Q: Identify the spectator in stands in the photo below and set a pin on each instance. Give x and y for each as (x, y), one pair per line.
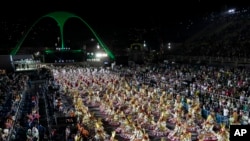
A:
(35, 133)
(225, 111)
(42, 132)
(29, 135)
(67, 133)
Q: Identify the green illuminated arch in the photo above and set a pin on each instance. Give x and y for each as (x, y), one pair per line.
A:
(61, 17)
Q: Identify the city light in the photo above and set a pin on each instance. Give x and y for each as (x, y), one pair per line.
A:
(231, 11)
(144, 44)
(101, 55)
(169, 45)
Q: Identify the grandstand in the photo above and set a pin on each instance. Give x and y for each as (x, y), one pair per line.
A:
(223, 35)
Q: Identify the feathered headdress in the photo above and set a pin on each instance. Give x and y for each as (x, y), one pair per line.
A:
(113, 134)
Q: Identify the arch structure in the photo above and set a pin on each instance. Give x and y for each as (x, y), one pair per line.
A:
(61, 17)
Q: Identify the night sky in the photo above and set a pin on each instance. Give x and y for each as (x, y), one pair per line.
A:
(120, 13)
(109, 17)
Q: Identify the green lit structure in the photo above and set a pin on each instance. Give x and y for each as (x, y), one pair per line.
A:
(61, 17)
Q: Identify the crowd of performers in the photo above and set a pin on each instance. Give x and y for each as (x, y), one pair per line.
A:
(140, 112)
